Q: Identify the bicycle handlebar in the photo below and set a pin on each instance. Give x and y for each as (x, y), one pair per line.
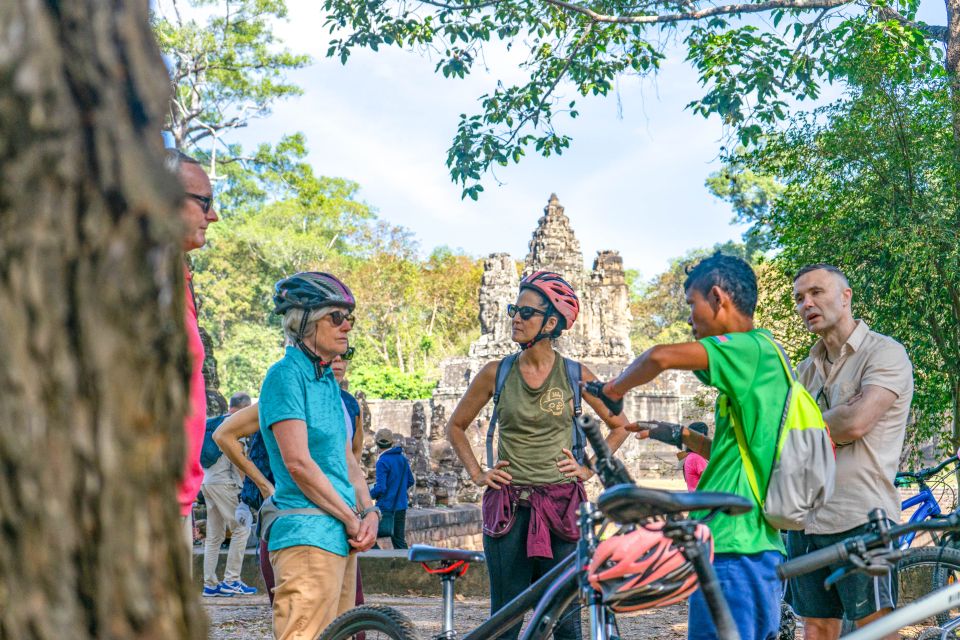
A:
(860, 545)
(812, 561)
(923, 474)
(610, 470)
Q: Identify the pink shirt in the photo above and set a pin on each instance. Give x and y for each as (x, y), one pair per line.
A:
(194, 424)
(693, 466)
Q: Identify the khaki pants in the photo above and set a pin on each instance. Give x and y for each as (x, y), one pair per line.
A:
(313, 587)
(186, 535)
(222, 503)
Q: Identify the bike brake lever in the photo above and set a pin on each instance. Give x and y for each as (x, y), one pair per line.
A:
(835, 577)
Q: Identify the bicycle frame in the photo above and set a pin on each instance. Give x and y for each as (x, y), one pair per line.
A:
(562, 592)
(936, 602)
(929, 508)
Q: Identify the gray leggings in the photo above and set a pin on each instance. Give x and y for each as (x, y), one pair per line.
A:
(511, 571)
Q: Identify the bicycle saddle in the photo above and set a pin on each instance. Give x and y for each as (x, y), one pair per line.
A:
(628, 503)
(426, 553)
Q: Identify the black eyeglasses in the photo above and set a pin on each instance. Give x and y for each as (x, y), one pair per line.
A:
(525, 312)
(348, 354)
(337, 318)
(205, 201)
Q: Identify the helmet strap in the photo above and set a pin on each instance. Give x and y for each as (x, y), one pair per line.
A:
(319, 364)
(540, 334)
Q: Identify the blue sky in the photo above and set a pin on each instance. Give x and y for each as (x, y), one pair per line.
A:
(633, 179)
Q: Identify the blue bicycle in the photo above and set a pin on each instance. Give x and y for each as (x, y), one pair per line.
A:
(926, 502)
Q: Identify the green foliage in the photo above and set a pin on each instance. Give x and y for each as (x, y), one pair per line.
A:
(389, 383)
(750, 195)
(278, 217)
(411, 313)
(244, 356)
(224, 70)
(871, 185)
(749, 71)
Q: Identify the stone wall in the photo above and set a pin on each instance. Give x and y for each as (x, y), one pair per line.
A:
(457, 527)
(396, 415)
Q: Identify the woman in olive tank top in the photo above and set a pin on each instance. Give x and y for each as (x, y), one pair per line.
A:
(536, 485)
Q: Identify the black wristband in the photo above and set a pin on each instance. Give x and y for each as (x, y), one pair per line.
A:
(595, 388)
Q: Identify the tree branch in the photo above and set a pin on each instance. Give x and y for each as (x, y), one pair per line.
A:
(933, 32)
(729, 9)
(460, 7)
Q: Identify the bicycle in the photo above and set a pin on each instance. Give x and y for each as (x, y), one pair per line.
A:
(622, 502)
(876, 553)
(923, 565)
(926, 502)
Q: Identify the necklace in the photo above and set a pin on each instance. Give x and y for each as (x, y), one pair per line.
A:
(827, 356)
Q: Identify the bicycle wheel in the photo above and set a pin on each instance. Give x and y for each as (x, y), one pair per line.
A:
(926, 569)
(374, 621)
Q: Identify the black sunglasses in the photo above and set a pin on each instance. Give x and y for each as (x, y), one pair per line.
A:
(525, 312)
(337, 318)
(348, 354)
(205, 201)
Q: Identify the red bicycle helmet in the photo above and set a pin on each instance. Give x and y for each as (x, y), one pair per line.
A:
(642, 569)
(557, 291)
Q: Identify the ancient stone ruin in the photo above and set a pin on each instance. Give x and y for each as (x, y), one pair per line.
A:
(600, 339)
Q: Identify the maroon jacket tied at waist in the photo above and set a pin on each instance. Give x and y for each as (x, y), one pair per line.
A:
(553, 509)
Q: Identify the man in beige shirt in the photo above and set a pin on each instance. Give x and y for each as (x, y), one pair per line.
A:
(863, 382)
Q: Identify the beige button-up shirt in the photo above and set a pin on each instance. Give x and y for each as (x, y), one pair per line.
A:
(866, 467)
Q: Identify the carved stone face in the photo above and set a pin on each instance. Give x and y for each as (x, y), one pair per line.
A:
(489, 310)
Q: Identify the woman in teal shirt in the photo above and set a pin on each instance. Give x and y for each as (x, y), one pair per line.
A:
(302, 424)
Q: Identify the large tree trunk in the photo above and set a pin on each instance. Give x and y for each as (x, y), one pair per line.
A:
(952, 63)
(92, 355)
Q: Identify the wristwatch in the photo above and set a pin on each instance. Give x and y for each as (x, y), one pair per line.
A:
(372, 509)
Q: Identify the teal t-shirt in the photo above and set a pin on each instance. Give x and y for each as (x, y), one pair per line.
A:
(291, 391)
(745, 368)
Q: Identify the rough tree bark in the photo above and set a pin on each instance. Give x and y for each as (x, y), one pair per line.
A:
(92, 354)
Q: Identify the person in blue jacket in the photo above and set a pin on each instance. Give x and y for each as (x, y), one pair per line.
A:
(394, 477)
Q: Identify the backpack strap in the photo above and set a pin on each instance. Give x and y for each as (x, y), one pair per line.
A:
(741, 436)
(744, 453)
(574, 376)
(792, 380)
(503, 370)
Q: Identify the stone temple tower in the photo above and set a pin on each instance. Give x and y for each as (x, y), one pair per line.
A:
(600, 338)
(603, 329)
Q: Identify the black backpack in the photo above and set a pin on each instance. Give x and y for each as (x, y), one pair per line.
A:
(572, 368)
(210, 452)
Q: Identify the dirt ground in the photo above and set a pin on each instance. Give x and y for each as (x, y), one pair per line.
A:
(248, 618)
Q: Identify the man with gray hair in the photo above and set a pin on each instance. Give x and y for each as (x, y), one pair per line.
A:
(863, 382)
(196, 214)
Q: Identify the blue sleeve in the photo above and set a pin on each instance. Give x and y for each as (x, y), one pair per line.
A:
(733, 361)
(410, 479)
(282, 397)
(381, 484)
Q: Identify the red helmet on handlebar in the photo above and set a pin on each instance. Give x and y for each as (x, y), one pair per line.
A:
(643, 569)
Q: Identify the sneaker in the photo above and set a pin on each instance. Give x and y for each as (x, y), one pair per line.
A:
(237, 588)
(217, 592)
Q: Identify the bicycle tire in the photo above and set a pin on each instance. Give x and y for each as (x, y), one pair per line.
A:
(926, 569)
(374, 621)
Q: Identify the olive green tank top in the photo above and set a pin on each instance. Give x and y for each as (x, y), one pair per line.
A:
(534, 425)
